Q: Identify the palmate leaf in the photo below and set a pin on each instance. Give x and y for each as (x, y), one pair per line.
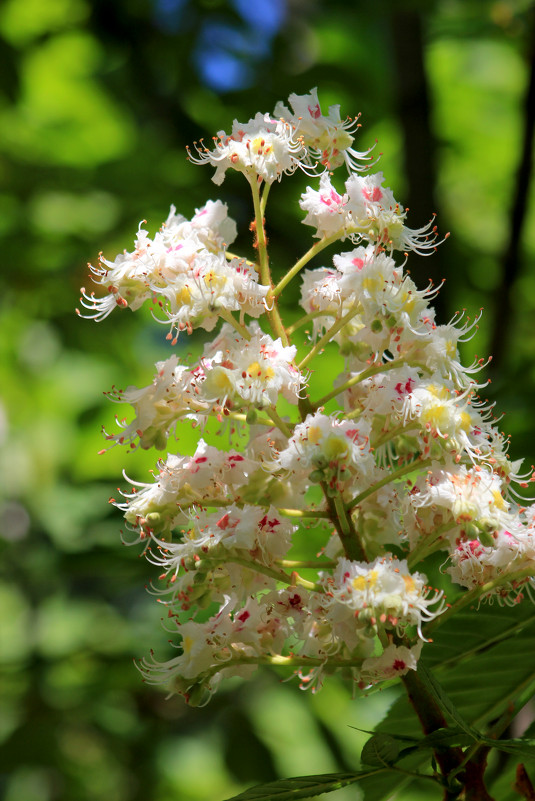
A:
(381, 750)
(301, 787)
(484, 662)
(480, 664)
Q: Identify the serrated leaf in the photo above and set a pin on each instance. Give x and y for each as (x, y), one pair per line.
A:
(446, 738)
(525, 749)
(444, 701)
(483, 660)
(380, 750)
(300, 787)
(401, 737)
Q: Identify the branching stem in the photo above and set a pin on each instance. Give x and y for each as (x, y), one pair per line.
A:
(327, 337)
(399, 473)
(316, 248)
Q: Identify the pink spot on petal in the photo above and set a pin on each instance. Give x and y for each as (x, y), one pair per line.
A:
(372, 195)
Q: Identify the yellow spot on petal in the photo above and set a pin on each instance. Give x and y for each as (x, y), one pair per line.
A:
(255, 370)
(466, 421)
(362, 582)
(436, 416)
(451, 349)
(314, 434)
(499, 501)
(185, 295)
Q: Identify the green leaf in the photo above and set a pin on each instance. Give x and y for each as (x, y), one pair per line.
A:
(446, 738)
(380, 750)
(482, 661)
(521, 747)
(300, 787)
(399, 737)
(444, 701)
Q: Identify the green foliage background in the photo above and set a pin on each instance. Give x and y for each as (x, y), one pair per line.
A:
(97, 102)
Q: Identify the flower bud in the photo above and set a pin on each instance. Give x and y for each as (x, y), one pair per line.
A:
(317, 476)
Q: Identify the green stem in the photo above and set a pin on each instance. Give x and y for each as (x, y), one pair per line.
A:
(242, 418)
(273, 315)
(428, 543)
(414, 775)
(399, 473)
(208, 503)
(313, 251)
(354, 414)
(283, 427)
(278, 660)
(345, 528)
(392, 434)
(371, 371)
(312, 513)
(327, 337)
(296, 563)
(306, 319)
(342, 515)
(229, 318)
(279, 575)
(264, 199)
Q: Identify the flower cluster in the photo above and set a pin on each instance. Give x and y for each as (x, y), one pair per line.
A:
(399, 458)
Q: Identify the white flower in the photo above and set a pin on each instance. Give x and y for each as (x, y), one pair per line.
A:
(173, 393)
(185, 264)
(446, 418)
(252, 371)
(378, 217)
(137, 276)
(217, 646)
(438, 350)
(215, 229)
(207, 475)
(474, 564)
(366, 210)
(395, 661)
(126, 280)
(262, 533)
(261, 148)
(195, 296)
(377, 282)
(321, 291)
(383, 591)
(468, 500)
(326, 209)
(324, 439)
(326, 136)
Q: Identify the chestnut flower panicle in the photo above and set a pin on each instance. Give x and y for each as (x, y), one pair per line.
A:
(397, 460)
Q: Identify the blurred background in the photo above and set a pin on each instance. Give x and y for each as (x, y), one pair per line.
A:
(98, 99)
